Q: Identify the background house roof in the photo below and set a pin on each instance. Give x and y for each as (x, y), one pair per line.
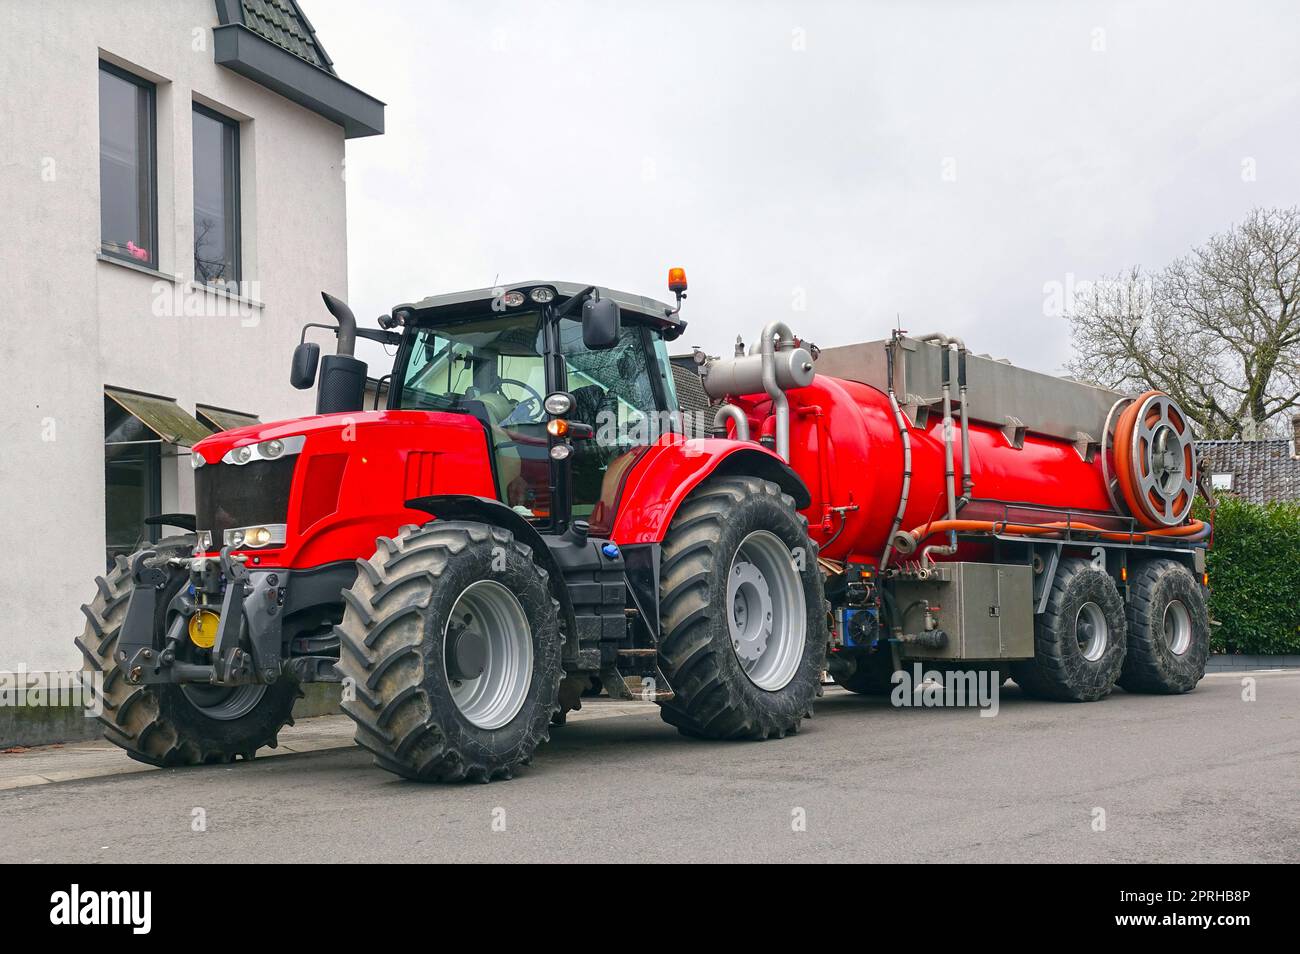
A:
(691, 396)
(1262, 471)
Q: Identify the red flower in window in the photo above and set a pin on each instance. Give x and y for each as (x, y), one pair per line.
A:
(137, 252)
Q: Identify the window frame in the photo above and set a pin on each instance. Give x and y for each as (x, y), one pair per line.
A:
(233, 200)
(151, 89)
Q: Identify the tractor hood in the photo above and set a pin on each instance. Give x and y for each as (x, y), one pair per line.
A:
(213, 448)
(335, 482)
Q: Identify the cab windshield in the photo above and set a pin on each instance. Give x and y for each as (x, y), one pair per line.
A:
(494, 368)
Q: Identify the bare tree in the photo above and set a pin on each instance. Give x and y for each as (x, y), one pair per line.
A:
(1218, 329)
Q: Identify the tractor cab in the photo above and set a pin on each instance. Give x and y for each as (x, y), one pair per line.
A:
(522, 358)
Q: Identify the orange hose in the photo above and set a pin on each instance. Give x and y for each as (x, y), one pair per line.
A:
(1124, 459)
(1037, 529)
(1126, 476)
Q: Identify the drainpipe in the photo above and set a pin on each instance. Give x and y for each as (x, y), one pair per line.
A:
(906, 438)
(967, 480)
(952, 347)
(780, 404)
(954, 343)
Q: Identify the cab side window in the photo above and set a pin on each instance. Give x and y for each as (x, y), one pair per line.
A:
(615, 396)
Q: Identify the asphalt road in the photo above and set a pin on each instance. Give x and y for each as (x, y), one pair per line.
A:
(1201, 777)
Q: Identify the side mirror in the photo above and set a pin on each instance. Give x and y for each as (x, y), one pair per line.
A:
(302, 373)
(600, 324)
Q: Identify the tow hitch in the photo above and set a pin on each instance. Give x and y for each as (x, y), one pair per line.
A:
(250, 604)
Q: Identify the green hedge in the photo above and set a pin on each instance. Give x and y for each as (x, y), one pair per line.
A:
(1255, 576)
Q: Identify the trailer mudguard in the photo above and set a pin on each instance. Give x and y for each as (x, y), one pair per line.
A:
(668, 472)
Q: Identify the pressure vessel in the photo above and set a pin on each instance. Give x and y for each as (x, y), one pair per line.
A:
(846, 445)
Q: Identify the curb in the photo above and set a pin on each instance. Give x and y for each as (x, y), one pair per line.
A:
(28, 726)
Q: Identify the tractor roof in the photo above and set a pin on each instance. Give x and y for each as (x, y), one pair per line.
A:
(657, 311)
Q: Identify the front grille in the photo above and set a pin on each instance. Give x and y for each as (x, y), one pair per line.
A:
(227, 495)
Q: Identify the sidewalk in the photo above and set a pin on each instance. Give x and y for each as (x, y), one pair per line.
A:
(77, 760)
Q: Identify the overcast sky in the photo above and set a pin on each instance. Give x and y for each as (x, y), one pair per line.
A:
(829, 164)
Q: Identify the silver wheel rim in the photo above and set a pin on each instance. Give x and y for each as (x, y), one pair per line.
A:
(487, 654)
(1092, 631)
(224, 704)
(1177, 624)
(766, 614)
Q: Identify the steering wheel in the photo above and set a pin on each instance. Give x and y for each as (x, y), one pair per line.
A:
(527, 411)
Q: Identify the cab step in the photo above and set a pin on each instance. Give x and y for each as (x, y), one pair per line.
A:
(637, 677)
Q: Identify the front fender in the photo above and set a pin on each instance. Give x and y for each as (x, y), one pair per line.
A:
(668, 472)
(492, 511)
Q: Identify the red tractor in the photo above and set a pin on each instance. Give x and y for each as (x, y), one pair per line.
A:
(524, 524)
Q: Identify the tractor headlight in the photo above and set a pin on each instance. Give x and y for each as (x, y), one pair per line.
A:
(559, 403)
(542, 295)
(512, 299)
(254, 537)
(267, 450)
(196, 459)
(561, 452)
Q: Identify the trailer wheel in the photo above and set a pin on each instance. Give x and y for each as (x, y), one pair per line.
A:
(1079, 641)
(744, 626)
(1168, 630)
(173, 725)
(450, 643)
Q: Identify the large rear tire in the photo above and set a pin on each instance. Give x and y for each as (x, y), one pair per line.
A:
(743, 620)
(172, 725)
(450, 642)
(1079, 641)
(1168, 630)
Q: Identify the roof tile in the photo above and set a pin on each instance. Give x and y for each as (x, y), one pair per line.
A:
(283, 23)
(1262, 471)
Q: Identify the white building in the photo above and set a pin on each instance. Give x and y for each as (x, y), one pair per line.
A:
(172, 201)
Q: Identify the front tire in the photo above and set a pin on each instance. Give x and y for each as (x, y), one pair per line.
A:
(451, 643)
(174, 725)
(1168, 630)
(744, 633)
(1079, 641)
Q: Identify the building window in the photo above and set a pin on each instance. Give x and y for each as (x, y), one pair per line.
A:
(132, 480)
(128, 183)
(140, 432)
(216, 198)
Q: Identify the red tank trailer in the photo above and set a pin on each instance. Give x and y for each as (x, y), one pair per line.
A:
(981, 505)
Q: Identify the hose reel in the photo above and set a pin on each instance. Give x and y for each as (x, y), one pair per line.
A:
(1154, 458)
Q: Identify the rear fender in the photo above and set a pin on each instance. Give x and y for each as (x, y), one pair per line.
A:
(670, 471)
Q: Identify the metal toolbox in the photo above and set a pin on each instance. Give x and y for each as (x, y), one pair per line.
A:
(986, 610)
